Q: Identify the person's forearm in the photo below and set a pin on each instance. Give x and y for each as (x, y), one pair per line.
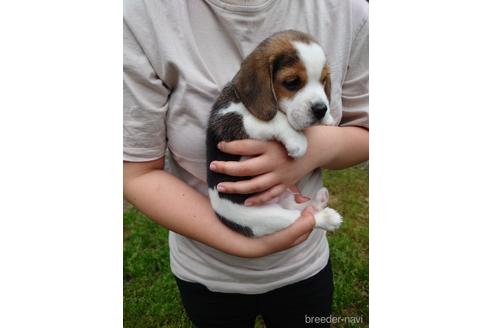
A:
(176, 206)
(334, 147)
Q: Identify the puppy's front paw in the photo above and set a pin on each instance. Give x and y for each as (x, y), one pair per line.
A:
(297, 147)
(328, 219)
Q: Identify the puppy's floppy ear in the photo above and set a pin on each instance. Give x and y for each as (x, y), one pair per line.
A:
(328, 85)
(254, 86)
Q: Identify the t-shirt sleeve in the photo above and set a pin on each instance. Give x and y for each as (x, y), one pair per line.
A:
(145, 103)
(355, 88)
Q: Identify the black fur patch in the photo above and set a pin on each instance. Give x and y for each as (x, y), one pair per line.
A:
(226, 127)
(236, 227)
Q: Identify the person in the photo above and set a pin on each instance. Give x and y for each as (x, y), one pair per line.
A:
(177, 57)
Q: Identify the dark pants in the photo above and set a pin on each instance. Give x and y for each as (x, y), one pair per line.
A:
(288, 306)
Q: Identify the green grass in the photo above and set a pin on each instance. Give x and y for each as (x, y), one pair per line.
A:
(151, 298)
(349, 246)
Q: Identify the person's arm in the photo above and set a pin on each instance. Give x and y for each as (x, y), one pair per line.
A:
(178, 207)
(337, 147)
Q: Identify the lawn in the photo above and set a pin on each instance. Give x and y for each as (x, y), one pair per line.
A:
(151, 298)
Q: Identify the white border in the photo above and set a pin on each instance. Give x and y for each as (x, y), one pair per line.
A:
(430, 166)
(61, 169)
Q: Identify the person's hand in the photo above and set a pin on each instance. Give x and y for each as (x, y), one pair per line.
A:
(273, 171)
(284, 239)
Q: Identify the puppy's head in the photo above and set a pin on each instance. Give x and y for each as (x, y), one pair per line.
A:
(286, 72)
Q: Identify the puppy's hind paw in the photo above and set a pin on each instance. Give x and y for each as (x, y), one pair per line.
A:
(328, 219)
(321, 199)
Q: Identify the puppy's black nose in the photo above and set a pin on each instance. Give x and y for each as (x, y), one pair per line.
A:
(319, 110)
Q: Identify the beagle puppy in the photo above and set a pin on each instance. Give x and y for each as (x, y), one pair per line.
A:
(282, 87)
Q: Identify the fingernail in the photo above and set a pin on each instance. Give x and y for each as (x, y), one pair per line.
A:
(220, 144)
(220, 188)
(213, 167)
(248, 203)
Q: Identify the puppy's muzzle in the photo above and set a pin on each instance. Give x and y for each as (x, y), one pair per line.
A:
(319, 110)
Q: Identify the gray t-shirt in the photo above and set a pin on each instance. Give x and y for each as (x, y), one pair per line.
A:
(177, 57)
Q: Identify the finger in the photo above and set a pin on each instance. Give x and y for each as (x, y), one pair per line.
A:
(309, 210)
(301, 226)
(299, 198)
(265, 196)
(294, 189)
(250, 167)
(296, 232)
(301, 239)
(246, 147)
(257, 184)
(306, 214)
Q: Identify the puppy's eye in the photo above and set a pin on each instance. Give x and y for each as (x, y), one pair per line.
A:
(292, 84)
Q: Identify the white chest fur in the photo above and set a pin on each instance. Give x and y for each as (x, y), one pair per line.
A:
(277, 128)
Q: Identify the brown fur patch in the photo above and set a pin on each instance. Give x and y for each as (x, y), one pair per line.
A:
(296, 36)
(326, 80)
(258, 83)
(296, 71)
(324, 74)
